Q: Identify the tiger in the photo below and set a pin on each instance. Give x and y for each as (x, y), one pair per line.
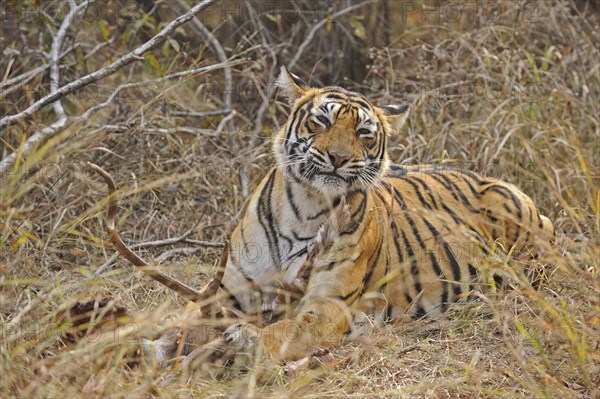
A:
(416, 239)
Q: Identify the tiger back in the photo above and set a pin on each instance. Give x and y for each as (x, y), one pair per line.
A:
(433, 231)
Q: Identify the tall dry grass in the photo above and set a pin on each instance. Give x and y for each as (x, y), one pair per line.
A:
(509, 89)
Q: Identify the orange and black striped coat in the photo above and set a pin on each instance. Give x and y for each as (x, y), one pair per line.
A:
(416, 236)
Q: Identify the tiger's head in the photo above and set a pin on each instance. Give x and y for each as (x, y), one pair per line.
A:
(334, 140)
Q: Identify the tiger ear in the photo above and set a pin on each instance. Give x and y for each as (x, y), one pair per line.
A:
(396, 115)
(291, 85)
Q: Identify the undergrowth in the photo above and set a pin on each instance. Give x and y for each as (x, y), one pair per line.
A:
(514, 95)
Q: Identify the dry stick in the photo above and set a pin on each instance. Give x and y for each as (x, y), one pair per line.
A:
(266, 103)
(135, 55)
(175, 75)
(74, 9)
(54, 82)
(316, 27)
(188, 292)
(217, 48)
(9, 86)
(213, 285)
(25, 75)
(200, 114)
(176, 251)
(183, 239)
(47, 132)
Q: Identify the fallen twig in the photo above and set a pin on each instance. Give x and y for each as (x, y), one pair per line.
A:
(177, 251)
(200, 114)
(208, 291)
(183, 239)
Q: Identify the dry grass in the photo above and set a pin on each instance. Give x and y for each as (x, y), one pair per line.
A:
(515, 96)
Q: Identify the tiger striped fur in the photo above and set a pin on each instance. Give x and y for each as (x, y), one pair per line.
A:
(413, 242)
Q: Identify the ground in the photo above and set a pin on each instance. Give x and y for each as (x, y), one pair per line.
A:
(513, 95)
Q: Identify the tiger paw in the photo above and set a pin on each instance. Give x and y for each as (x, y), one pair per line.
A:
(242, 337)
(319, 358)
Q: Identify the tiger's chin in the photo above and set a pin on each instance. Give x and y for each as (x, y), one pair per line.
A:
(329, 184)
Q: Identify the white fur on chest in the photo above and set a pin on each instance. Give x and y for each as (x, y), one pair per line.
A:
(277, 253)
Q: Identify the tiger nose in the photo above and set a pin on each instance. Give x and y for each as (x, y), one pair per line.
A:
(338, 159)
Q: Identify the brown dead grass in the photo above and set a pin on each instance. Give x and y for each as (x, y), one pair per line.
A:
(514, 97)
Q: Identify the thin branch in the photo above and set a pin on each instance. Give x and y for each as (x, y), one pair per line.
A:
(99, 47)
(200, 243)
(158, 130)
(47, 132)
(176, 251)
(310, 35)
(224, 121)
(135, 55)
(125, 86)
(266, 103)
(217, 48)
(180, 129)
(13, 84)
(25, 75)
(74, 9)
(159, 243)
(200, 114)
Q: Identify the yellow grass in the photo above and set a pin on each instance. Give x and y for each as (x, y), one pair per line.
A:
(515, 97)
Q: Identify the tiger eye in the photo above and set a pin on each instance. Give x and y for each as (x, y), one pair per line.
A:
(324, 120)
(368, 140)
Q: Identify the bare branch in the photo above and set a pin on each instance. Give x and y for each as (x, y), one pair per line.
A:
(26, 76)
(125, 86)
(184, 238)
(99, 47)
(224, 121)
(180, 129)
(266, 97)
(201, 243)
(217, 48)
(200, 114)
(74, 9)
(176, 285)
(13, 84)
(47, 132)
(316, 27)
(125, 60)
(176, 251)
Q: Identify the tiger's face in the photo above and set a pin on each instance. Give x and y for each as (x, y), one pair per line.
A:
(334, 140)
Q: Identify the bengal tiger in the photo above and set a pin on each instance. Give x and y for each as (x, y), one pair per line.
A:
(415, 240)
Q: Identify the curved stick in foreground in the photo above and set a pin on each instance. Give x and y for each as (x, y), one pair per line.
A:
(188, 292)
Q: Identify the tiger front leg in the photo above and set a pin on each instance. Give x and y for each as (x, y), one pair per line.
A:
(194, 330)
(321, 322)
